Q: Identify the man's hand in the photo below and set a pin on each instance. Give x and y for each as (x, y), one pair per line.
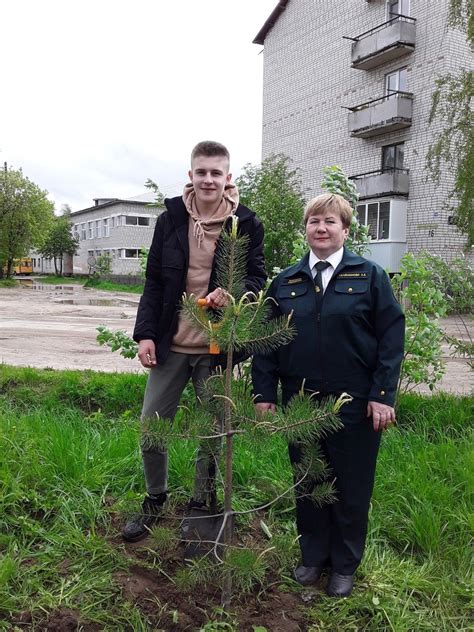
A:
(217, 298)
(146, 353)
(382, 415)
(265, 407)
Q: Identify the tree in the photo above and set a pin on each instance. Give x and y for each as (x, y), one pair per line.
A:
(103, 264)
(59, 241)
(454, 146)
(244, 324)
(159, 201)
(274, 191)
(25, 217)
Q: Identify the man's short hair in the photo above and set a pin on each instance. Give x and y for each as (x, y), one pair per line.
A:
(329, 202)
(209, 148)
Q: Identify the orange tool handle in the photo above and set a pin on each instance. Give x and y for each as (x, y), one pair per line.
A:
(213, 347)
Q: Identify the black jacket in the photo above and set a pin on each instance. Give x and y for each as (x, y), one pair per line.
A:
(354, 344)
(167, 267)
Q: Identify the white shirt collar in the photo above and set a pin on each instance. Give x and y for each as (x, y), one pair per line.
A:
(334, 259)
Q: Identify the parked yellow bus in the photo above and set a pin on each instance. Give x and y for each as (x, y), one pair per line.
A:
(23, 266)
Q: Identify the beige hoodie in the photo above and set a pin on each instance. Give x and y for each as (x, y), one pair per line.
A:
(202, 236)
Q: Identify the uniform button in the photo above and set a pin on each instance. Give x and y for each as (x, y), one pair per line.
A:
(382, 392)
(349, 289)
(317, 288)
(293, 294)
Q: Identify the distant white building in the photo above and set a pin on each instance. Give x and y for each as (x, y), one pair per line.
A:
(121, 228)
(350, 83)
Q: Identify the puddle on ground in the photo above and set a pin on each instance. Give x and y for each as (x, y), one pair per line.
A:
(101, 302)
(58, 290)
(31, 284)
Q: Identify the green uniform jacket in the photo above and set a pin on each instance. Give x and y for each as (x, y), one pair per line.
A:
(352, 343)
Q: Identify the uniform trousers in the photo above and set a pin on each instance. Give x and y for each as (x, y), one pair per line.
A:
(334, 534)
(165, 385)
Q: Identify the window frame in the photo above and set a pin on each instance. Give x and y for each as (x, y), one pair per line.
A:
(364, 220)
(391, 15)
(385, 169)
(397, 71)
(138, 218)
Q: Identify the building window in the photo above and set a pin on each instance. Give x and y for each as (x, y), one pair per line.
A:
(83, 232)
(98, 228)
(112, 221)
(375, 215)
(131, 220)
(106, 228)
(399, 7)
(75, 231)
(393, 156)
(131, 253)
(396, 81)
(90, 226)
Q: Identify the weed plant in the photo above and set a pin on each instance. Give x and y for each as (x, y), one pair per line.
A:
(70, 470)
(101, 284)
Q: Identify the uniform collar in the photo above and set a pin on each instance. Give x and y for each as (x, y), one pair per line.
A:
(334, 259)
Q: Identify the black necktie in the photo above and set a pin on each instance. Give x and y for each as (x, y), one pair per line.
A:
(318, 279)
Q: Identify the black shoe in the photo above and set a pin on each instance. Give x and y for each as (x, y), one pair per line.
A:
(196, 504)
(340, 585)
(140, 525)
(307, 575)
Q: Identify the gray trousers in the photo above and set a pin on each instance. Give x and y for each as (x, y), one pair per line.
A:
(166, 383)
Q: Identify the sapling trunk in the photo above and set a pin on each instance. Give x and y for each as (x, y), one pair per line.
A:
(229, 454)
(228, 526)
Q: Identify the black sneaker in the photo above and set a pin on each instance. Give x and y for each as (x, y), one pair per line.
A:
(196, 504)
(140, 525)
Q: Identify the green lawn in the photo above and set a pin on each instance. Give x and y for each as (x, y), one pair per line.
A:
(70, 472)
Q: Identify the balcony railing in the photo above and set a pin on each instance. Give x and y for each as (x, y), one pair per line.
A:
(379, 116)
(384, 42)
(382, 182)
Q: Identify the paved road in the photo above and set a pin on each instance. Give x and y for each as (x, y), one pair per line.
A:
(55, 326)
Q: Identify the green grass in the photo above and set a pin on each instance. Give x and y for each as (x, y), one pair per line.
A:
(61, 280)
(8, 283)
(114, 287)
(70, 470)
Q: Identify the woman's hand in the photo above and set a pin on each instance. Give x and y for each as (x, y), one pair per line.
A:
(265, 407)
(382, 415)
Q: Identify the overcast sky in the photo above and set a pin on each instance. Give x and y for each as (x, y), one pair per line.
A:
(96, 96)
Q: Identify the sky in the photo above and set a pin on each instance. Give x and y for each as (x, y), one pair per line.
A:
(96, 96)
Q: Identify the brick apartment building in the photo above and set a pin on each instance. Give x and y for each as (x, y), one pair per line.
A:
(350, 83)
(119, 227)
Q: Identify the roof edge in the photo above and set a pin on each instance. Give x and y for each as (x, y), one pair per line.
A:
(112, 203)
(270, 22)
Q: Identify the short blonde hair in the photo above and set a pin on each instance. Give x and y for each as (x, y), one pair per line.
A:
(329, 202)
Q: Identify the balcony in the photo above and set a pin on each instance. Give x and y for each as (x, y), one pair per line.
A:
(386, 114)
(382, 182)
(384, 43)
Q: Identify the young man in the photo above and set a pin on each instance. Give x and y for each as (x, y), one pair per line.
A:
(181, 259)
